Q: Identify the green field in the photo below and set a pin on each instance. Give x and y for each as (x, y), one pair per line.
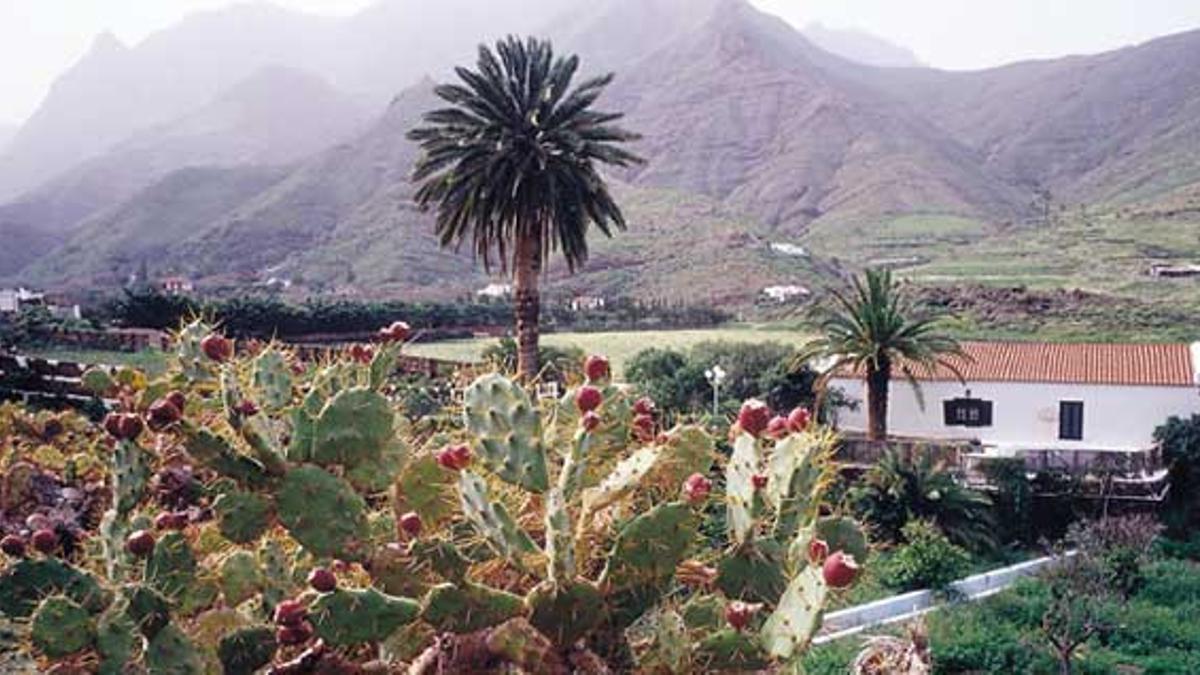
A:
(152, 362)
(619, 346)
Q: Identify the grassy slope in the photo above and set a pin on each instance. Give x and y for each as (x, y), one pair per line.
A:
(618, 346)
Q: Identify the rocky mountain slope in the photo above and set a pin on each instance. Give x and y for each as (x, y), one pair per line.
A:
(754, 136)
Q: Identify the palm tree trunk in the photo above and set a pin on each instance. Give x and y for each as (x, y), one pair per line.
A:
(528, 303)
(878, 380)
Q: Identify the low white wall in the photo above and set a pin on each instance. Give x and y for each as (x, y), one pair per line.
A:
(1026, 414)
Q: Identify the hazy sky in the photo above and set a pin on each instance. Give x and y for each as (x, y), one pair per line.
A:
(41, 38)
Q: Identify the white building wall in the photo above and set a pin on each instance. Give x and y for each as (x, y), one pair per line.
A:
(1025, 414)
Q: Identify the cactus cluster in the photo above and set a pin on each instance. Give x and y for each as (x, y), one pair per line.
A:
(267, 516)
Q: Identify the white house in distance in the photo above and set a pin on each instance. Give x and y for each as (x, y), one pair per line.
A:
(1028, 397)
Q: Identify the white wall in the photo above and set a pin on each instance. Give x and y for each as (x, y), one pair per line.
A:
(1025, 414)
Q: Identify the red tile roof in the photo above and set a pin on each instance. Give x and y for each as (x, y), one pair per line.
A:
(1123, 364)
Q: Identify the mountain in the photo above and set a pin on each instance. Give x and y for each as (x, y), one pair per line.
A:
(861, 47)
(1113, 127)
(276, 116)
(743, 109)
(116, 90)
(7, 131)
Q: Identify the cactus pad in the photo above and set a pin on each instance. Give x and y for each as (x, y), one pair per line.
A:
(323, 513)
(660, 642)
(240, 577)
(149, 611)
(729, 650)
(273, 379)
(242, 517)
(349, 617)
(426, 489)
(509, 429)
(61, 627)
(116, 640)
(354, 427)
(565, 612)
(797, 617)
(753, 573)
(130, 472)
(492, 520)
(843, 534)
(649, 547)
(245, 650)
(217, 454)
(171, 568)
(739, 487)
(172, 653)
(468, 608)
(25, 583)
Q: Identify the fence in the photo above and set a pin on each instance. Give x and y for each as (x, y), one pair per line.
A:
(853, 620)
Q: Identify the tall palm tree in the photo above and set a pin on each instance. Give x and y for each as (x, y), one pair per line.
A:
(511, 164)
(874, 329)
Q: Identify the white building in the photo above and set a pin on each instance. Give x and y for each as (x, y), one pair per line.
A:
(782, 294)
(1035, 397)
(495, 291)
(13, 300)
(584, 303)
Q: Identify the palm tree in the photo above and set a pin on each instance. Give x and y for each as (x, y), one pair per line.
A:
(908, 484)
(874, 330)
(511, 164)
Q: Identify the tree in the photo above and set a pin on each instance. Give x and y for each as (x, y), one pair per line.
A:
(511, 165)
(873, 329)
(906, 485)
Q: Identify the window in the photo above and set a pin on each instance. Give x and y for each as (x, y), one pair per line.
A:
(967, 412)
(1070, 420)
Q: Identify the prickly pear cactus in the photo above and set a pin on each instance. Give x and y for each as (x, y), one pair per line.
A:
(246, 650)
(242, 517)
(61, 627)
(492, 519)
(508, 430)
(355, 427)
(273, 379)
(468, 607)
(323, 513)
(792, 625)
(351, 617)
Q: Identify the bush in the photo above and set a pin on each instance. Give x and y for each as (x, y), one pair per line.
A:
(926, 560)
(1180, 441)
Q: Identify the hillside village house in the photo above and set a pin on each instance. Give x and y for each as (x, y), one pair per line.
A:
(1056, 405)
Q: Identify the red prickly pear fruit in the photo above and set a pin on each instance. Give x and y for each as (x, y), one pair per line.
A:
(662, 438)
(595, 368)
(411, 523)
(170, 521)
(799, 419)
(163, 414)
(140, 543)
(131, 427)
(588, 398)
(322, 580)
(738, 614)
(455, 457)
(777, 427)
(754, 417)
(589, 421)
(39, 521)
(44, 541)
(397, 332)
(177, 399)
(246, 408)
(759, 480)
(294, 635)
(216, 347)
(643, 428)
(290, 613)
(112, 424)
(696, 488)
(13, 546)
(818, 550)
(840, 570)
(362, 354)
(644, 406)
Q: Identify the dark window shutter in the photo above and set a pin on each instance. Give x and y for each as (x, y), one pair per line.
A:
(1070, 420)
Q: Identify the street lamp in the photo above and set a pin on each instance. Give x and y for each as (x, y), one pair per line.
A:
(715, 376)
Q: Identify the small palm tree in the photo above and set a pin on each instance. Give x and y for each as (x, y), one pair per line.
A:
(511, 165)
(875, 330)
(910, 485)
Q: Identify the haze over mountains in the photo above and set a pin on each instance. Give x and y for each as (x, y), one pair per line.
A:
(254, 142)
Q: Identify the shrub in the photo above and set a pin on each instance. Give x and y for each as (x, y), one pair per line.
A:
(927, 559)
(1180, 441)
(904, 486)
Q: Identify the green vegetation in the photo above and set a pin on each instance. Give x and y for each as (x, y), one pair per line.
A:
(512, 166)
(619, 346)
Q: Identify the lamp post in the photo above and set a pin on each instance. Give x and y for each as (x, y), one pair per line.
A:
(715, 376)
